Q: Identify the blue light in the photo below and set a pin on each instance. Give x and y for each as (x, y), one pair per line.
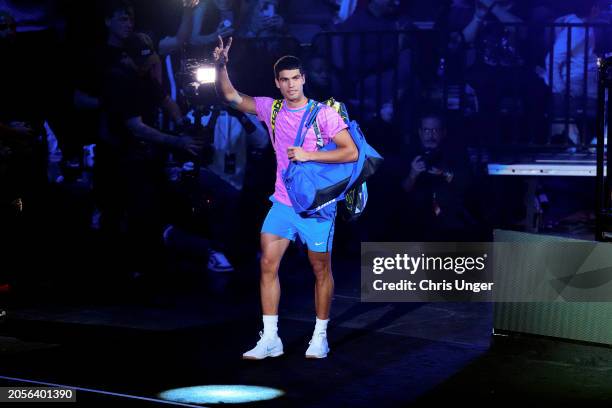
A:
(217, 394)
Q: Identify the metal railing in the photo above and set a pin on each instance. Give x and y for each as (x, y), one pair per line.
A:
(369, 65)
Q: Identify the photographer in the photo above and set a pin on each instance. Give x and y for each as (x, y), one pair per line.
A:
(437, 187)
(132, 175)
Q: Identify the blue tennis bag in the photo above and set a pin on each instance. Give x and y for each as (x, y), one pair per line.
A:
(311, 185)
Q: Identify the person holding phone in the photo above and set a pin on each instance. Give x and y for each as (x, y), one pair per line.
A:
(214, 19)
(263, 20)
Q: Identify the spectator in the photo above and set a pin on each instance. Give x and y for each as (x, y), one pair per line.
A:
(170, 38)
(306, 19)
(92, 68)
(262, 22)
(437, 188)
(119, 21)
(262, 18)
(213, 19)
(322, 82)
(366, 61)
(578, 59)
(89, 84)
(489, 45)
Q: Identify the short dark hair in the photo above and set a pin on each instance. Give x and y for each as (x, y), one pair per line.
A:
(287, 62)
(113, 6)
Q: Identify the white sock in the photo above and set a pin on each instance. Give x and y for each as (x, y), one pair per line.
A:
(321, 326)
(270, 325)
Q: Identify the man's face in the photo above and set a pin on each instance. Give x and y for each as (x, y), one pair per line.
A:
(8, 29)
(121, 24)
(319, 73)
(431, 133)
(290, 82)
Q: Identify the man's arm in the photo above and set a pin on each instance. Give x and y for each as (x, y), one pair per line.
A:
(344, 153)
(148, 134)
(170, 44)
(172, 109)
(230, 95)
(199, 39)
(226, 90)
(502, 12)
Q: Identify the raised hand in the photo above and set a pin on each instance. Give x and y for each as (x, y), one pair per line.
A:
(221, 52)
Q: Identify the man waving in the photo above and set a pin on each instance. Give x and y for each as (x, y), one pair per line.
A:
(282, 224)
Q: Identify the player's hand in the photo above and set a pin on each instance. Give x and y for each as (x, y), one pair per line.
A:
(221, 52)
(297, 154)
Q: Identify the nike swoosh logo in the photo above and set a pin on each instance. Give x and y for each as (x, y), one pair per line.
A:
(319, 243)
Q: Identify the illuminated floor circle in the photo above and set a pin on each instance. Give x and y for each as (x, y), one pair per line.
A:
(216, 394)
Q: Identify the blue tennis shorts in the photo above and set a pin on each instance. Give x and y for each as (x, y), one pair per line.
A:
(316, 232)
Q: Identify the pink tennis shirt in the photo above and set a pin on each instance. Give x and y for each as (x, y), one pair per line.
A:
(287, 122)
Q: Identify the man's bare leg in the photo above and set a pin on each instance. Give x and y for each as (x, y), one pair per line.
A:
(324, 285)
(324, 290)
(273, 248)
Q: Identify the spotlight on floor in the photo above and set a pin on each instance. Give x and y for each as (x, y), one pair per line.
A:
(220, 394)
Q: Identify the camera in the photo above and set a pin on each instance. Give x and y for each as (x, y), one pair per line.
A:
(431, 158)
(433, 165)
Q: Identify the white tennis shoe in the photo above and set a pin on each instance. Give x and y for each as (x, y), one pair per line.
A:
(266, 347)
(318, 347)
